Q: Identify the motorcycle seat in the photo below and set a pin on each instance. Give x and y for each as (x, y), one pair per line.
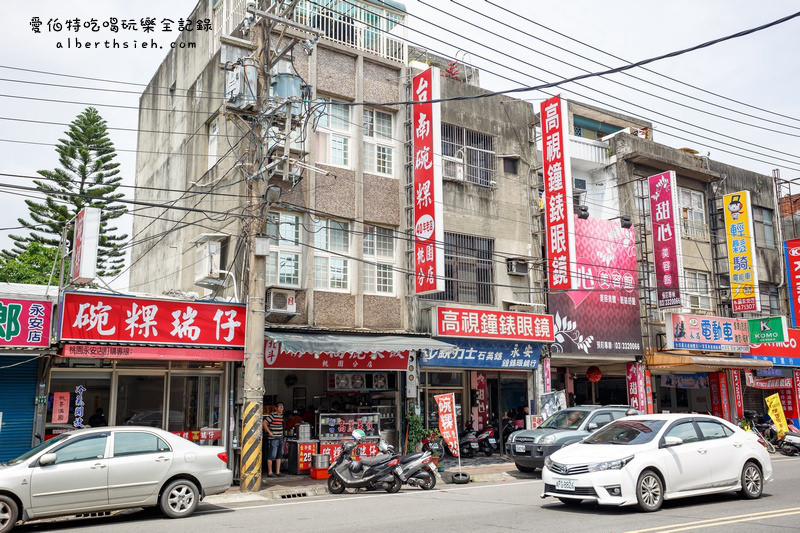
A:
(792, 434)
(372, 461)
(410, 458)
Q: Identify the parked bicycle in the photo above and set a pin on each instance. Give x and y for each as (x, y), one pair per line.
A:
(749, 423)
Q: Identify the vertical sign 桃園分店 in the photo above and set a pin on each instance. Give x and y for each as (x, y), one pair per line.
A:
(428, 230)
(666, 238)
(559, 225)
(741, 257)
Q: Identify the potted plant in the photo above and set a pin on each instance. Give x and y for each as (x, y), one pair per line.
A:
(415, 431)
(433, 436)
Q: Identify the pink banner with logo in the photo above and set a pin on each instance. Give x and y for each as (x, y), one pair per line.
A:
(664, 220)
(791, 254)
(24, 323)
(428, 197)
(559, 227)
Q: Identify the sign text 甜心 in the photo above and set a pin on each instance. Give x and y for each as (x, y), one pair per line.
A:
(666, 238)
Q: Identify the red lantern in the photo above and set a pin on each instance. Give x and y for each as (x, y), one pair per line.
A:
(594, 374)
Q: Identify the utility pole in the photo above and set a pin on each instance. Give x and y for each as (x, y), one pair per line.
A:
(255, 289)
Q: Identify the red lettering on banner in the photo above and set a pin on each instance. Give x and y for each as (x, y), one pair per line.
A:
(559, 225)
(427, 192)
(448, 423)
(493, 324)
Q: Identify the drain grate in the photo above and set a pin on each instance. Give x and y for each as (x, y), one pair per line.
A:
(293, 495)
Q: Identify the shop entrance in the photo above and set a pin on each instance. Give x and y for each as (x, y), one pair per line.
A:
(510, 395)
(607, 391)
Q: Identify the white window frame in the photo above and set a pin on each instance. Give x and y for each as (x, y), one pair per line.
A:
(759, 227)
(333, 129)
(378, 261)
(374, 141)
(284, 247)
(691, 290)
(694, 223)
(332, 257)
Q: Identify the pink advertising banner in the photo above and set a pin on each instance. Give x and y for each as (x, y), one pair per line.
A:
(428, 211)
(706, 333)
(602, 314)
(666, 238)
(634, 379)
(25, 323)
(791, 253)
(559, 228)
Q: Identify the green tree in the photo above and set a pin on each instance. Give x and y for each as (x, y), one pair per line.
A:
(87, 169)
(32, 265)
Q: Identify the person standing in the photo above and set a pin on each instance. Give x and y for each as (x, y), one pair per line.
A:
(273, 428)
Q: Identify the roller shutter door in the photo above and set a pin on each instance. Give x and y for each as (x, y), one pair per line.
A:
(17, 395)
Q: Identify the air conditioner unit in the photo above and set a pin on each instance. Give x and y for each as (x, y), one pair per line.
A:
(520, 308)
(281, 301)
(452, 168)
(517, 267)
(207, 269)
(578, 185)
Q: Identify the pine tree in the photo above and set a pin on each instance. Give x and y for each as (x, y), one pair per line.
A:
(88, 169)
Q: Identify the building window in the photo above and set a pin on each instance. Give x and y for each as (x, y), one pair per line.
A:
(763, 226)
(331, 241)
(333, 134)
(511, 165)
(283, 261)
(468, 269)
(697, 290)
(770, 300)
(468, 155)
(693, 214)
(378, 150)
(213, 137)
(379, 260)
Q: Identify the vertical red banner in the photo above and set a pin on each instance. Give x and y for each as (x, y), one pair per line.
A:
(648, 384)
(791, 254)
(60, 408)
(448, 424)
(559, 224)
(738, 393)
(634, 379)
(664, 218)
(724, 397)
(427, 196)
(713, 386)
(548, 383)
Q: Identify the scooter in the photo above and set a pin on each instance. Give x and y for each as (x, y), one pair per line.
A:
(487, 441)
(468, 443)
(418, 470)
(379, 472)
(790, 444)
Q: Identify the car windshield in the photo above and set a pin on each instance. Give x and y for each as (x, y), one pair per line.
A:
(567, 419)
(33, 451)
(626, 432)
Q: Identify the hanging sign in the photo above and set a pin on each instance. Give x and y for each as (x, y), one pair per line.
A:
(559, 225)
(769, 329)
(85, 241)
(428, 197)
(741, 252)
(664, 217)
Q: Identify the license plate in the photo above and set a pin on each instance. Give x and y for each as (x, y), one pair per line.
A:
(398, 470)
(519, 448)
(473, 445)
(565, 484)
(492, 441)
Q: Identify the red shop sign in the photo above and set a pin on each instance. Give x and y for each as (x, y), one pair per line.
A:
(150, 353)
(276, 357)
(195, 435)
(493, 324)
(125, 319)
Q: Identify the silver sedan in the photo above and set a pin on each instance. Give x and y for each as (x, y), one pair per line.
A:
(110, 468)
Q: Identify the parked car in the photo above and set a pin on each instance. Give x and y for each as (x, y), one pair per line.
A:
(647, 459)
(101, 469)
(529, 447)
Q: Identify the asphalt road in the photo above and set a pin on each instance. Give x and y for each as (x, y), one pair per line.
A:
(513, 505)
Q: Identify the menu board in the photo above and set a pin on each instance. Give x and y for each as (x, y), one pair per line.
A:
(341, 425)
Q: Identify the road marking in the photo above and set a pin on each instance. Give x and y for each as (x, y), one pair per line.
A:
(722, 520)
(366, 496)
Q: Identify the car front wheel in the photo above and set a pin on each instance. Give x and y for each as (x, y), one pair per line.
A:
(9, 513)
(649, 491)
(179, 499)
(752, 481)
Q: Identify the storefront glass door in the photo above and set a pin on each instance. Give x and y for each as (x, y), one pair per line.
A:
(140, 400)
(194, 402)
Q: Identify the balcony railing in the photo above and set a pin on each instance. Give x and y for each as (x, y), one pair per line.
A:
(692, 229)
(584, 149)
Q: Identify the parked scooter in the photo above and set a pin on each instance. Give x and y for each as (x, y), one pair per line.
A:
(487, 442)
(790, 444)
(468, 443)
(418, 470)
(379, 472)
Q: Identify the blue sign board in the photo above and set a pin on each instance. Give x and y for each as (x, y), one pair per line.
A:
(473, 353)
(776, 361)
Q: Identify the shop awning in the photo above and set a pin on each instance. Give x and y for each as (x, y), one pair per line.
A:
(328, 343)
(700, 363)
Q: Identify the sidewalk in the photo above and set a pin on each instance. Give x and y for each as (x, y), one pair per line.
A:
(289, 486)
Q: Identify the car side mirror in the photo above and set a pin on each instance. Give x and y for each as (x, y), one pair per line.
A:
(47, 459)
(670, 441)
(592, 426)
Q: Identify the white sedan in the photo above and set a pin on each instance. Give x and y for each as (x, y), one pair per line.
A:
(108, 468)
(647, 459)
